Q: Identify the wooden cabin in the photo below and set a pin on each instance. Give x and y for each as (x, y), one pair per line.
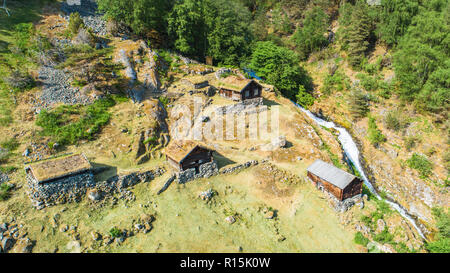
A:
(183, 155)
(334, 180)
(57, 169)
(239, 89)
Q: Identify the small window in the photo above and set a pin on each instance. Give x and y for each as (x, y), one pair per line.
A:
(247, 94)
(256, 92)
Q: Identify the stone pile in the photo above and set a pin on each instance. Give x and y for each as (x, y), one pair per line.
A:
(3, 178)
(13, 238)
(88, 12)
(56, 88)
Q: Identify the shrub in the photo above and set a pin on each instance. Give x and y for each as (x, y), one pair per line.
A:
(393, 121)
(442, 243)
(4, 191)
(360, 239)
(410, 142)
(421, 164)
(115, 232)
(10, 145)
(75, 23)
(20, 80)
(334, 82)
(304, 98)
(368, 82)
(358, 104)
(384, 236)
(374, 134)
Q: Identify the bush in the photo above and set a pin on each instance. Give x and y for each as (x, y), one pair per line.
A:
(304, 98)
(10, 145)
(393, 121)
(374, 134)
(360, 239)
(115, 232)
(421, 164)
(20, 80)
(334, 82)
(358, 104)
(369, 83)
(75, 23)
(442, 243)
(384, 236)
(4, 191)
(410, 142)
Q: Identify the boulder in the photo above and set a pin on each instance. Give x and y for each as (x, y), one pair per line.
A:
(230, 220)
(7, 243)
(94, 195)
(23, 245)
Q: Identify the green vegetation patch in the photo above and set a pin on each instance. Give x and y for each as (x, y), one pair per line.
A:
(421, 164)
(442, 242)
(68, 124)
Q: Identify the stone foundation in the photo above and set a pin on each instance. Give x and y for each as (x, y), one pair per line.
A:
(73, 188)
(69, 189)
(248, 106)
(205, 170)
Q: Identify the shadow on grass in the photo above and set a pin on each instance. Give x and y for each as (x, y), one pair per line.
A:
(222, 161)
(102, 171)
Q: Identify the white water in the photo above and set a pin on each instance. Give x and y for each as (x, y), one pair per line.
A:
(352, 152)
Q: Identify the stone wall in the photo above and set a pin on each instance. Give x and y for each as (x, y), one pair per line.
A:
(248, 106)
(73, 188)
(205, 170)
(239, 167)
(69, 189)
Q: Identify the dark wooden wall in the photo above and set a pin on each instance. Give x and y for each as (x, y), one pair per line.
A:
(198, 154)
(251, 90)
(354, 188)
(337, 192)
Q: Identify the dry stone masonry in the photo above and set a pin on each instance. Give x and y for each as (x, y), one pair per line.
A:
(73, 188)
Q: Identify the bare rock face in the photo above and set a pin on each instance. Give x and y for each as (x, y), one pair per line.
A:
(84, 37)
(152, 133)
(276, 143)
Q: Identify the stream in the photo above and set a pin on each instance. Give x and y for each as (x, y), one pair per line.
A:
(352, 152)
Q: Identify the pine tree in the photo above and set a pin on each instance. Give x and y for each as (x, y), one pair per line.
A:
(359, 31)
(358, 104)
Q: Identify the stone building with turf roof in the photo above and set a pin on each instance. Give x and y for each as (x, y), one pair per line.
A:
(59, 180)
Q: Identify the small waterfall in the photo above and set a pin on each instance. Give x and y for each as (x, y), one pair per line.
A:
(352, 152)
